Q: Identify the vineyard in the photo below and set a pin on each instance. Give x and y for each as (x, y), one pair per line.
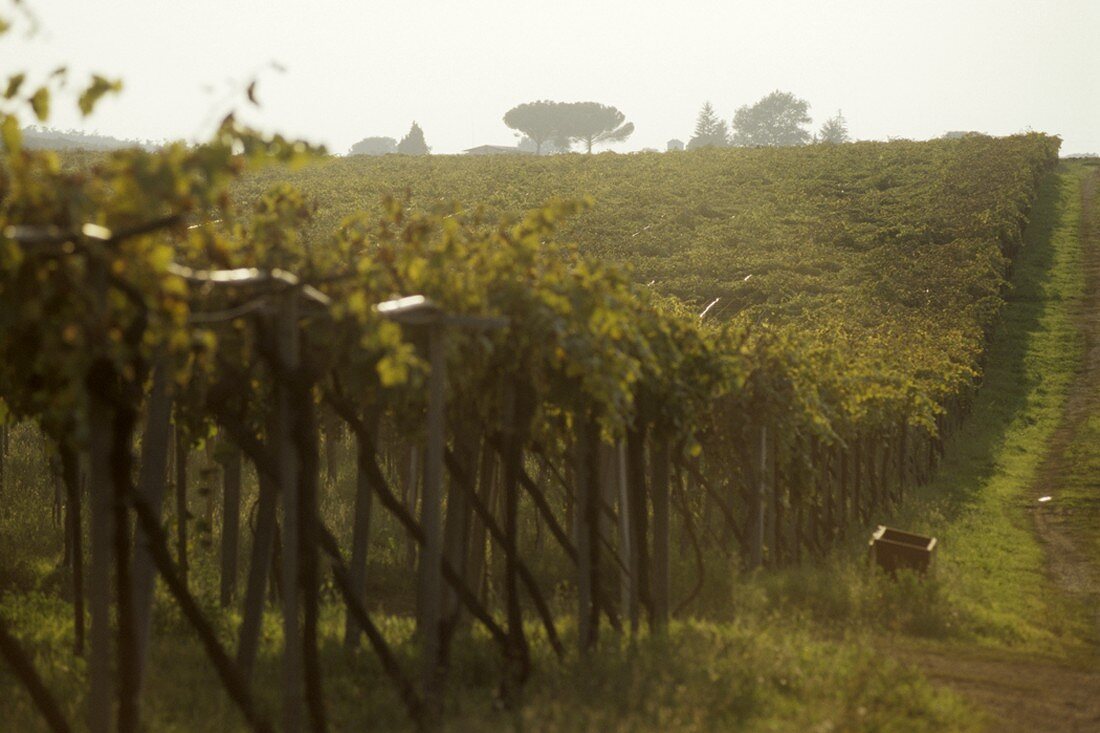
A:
(511, 408)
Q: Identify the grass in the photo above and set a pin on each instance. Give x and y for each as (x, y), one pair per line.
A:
(1078, 490)
(754, 674)
(790, 650)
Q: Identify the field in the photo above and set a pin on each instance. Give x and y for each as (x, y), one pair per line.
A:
(645, 519)
(869, 245)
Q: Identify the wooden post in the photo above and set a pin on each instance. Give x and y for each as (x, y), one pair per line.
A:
(570, 498)
(874, 480)
(639, 520)
(3, 453)
(822, 519)
(518, 409)
(487, 480)
(360, 529)
(887, 459)
(207, 480)
(100, 669)
(70, 471)
(628, 575)
(306, 440)
(846, 511)
(430, 573)
(456, 533)
(293, 669)
(775, 506)
(263, 549)
(857, 480)
(156, 444)
(58, 504)
(412, 490)
(759, 502)
(231, 525)
(587, 519)
(903, 460)
(181, 502)
(101, 493)
(540, 544)
(124, 419)
(796, 490)
(833, 487)
(331, 430)
(930, 468)
(659, 485)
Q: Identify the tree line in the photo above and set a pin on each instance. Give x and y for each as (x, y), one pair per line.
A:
(777, 119)
(545, 126)
(412, 144)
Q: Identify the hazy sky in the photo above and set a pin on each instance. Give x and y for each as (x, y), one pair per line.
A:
(897, 68)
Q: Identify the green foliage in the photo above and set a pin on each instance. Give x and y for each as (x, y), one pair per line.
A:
(710, 130)
(562, 123)
(850, 298)
(541, 122)
(592, 123)
(856, 310)
(527, 145)
(834, 130)
(40, 103)
(96, 91)
(854, 300)
(778, 119)
(374, 146)
(108, 302)
(413, 143)
(991, 584)
(15, 81)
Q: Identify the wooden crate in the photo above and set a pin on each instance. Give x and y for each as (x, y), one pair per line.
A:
(893, 550)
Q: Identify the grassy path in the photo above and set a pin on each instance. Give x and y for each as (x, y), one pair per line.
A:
(1069, 521)
(1024, 483)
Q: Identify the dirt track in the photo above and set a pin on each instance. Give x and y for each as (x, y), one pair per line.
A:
(1020, 693)
(1072, 563)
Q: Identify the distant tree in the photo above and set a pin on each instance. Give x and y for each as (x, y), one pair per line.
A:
(710, 130)
(374, 146)
(592, 123)
(540, 122)
(548, 147)
(560, 124)
(413, 143)
(674, 144)
(834, 130)
(780, 118)
(561, 142)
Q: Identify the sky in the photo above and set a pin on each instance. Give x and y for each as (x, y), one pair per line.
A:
(895, 68)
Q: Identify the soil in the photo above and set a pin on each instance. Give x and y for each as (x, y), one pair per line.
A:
(1019, 693)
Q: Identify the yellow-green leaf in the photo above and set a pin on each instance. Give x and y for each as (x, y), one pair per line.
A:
(95, 91)
(14, 82)
(40, 103)
(11, 134)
